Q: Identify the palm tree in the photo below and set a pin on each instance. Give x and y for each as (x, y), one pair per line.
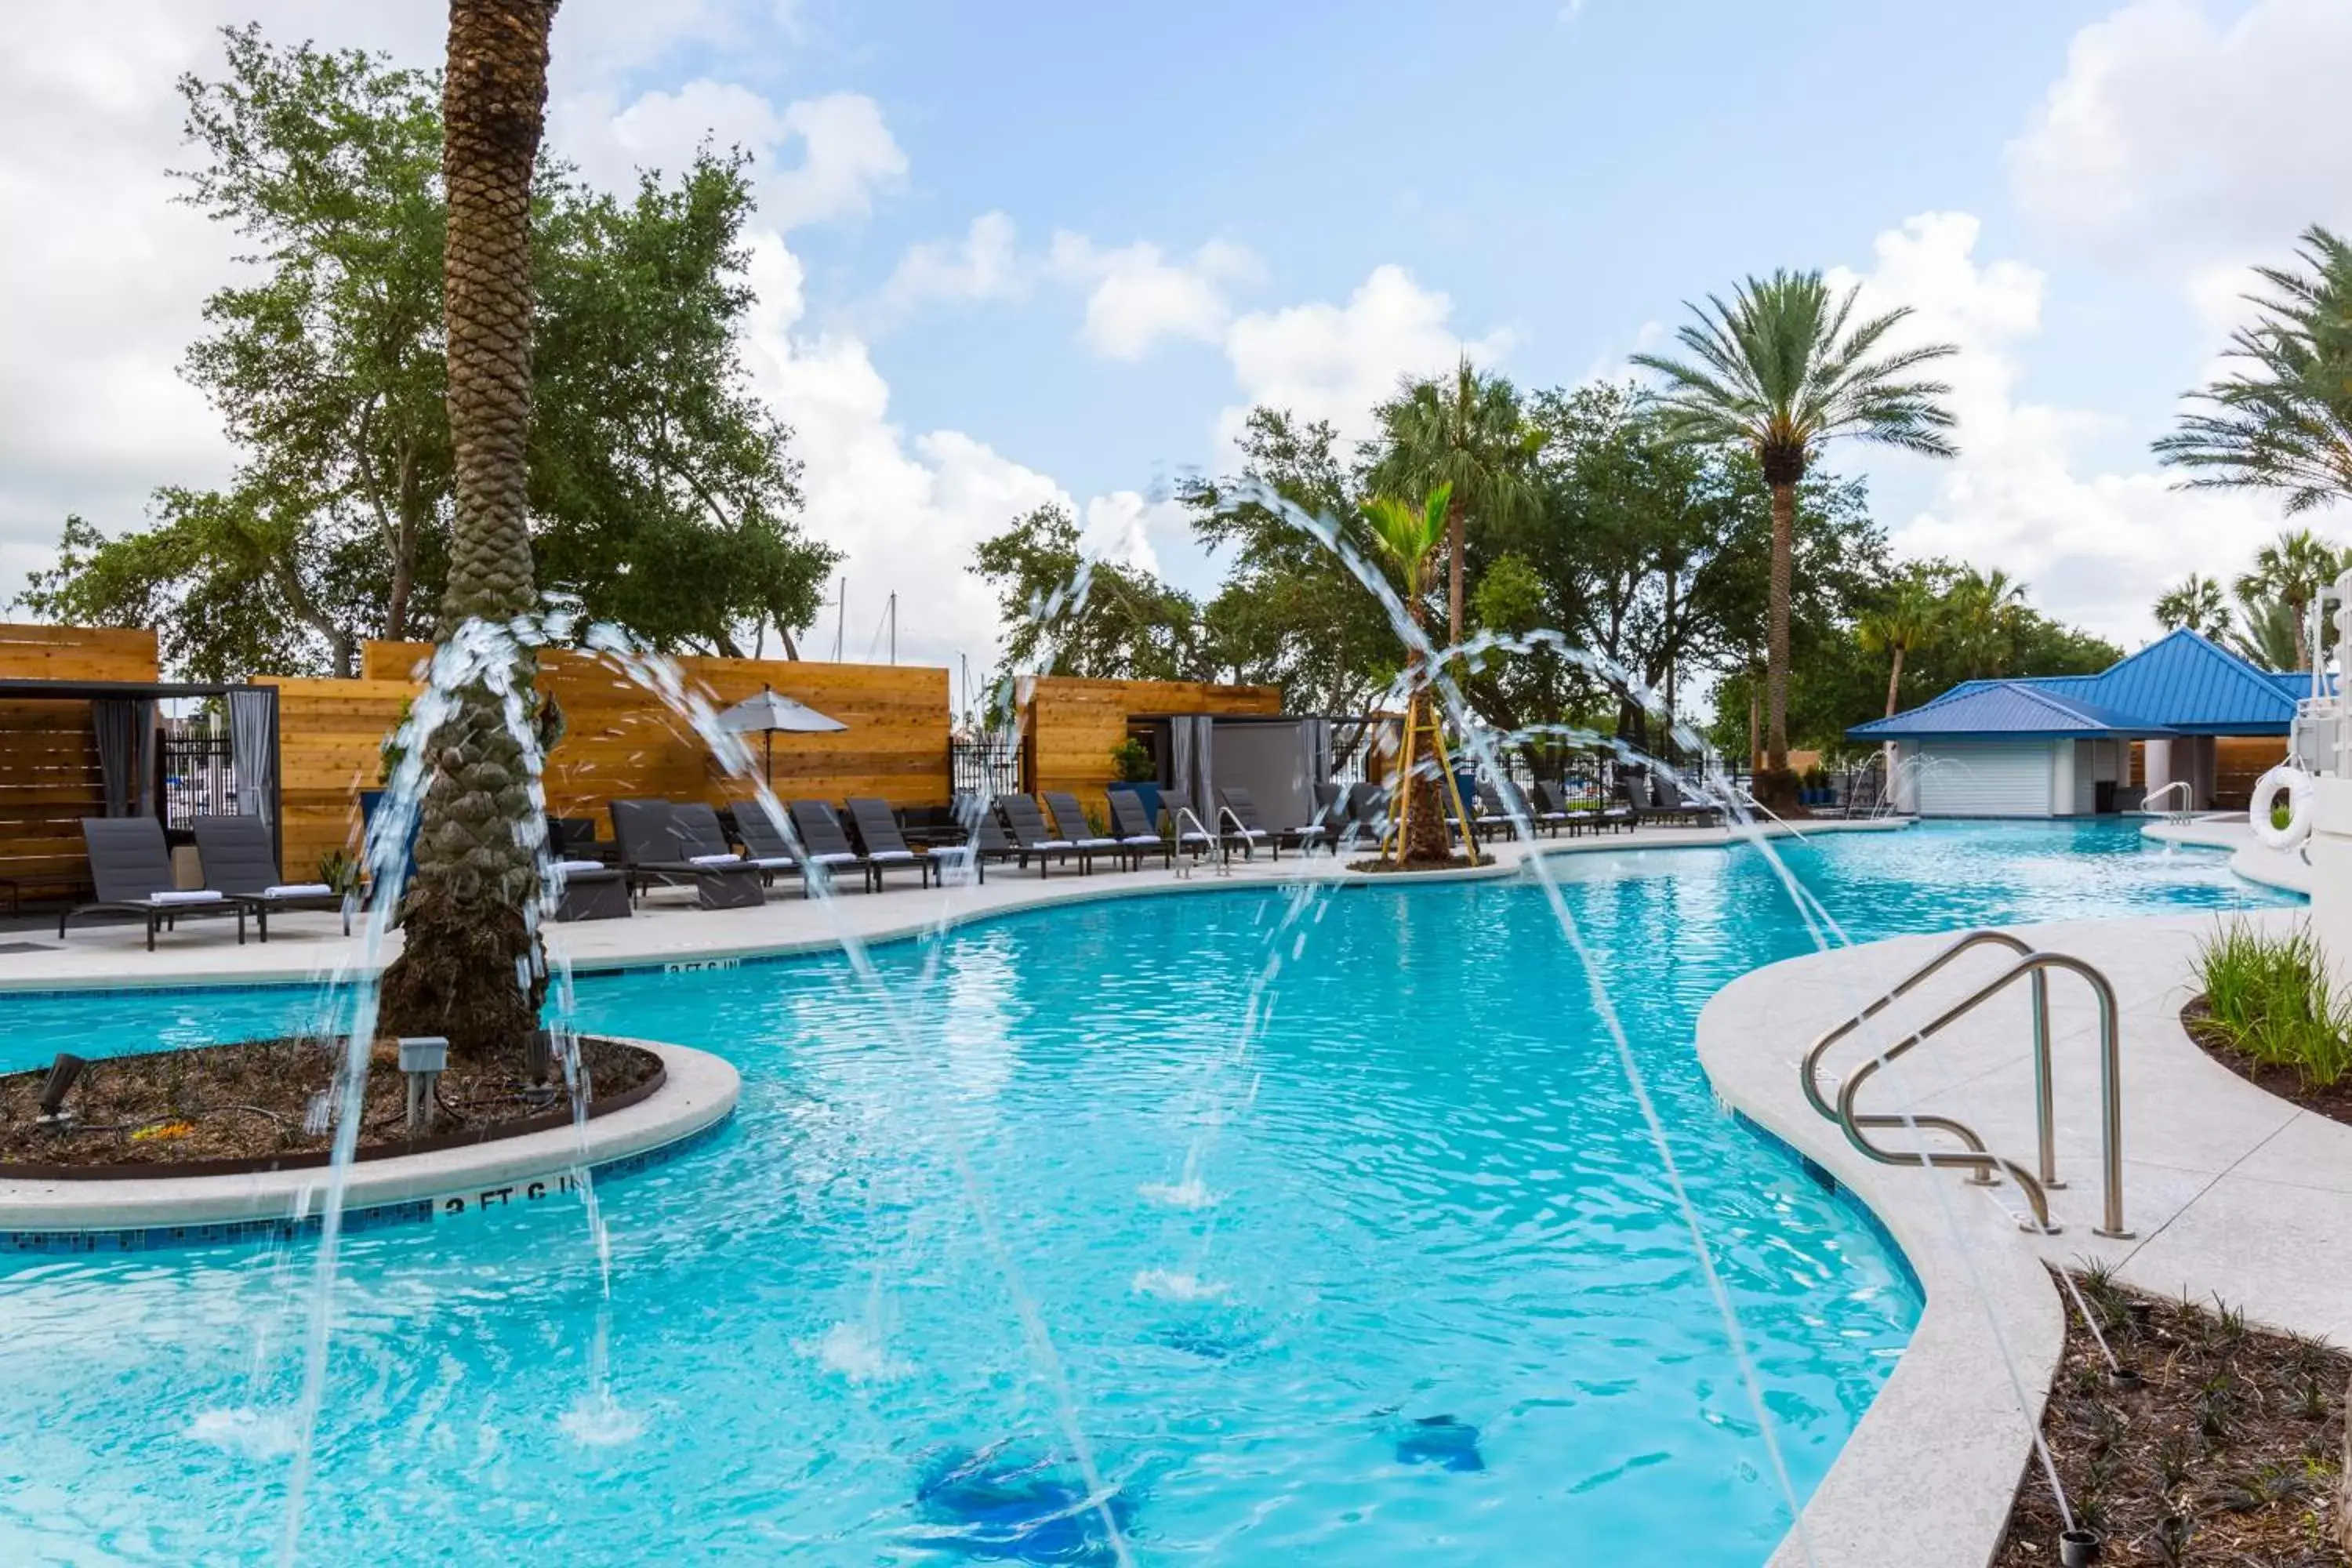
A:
(1409, 536)
(2195, 603)
(1910, 619)
(1982, 611)
(470, 967)
(1781, 369)
(2271, 634)
(2293, 570)
(2284, 420)
(1467, 436)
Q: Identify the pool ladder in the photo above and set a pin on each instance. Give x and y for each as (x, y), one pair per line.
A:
(1986, 1167)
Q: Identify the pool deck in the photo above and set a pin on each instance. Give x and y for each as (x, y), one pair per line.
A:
(668, 928)
(2255, 861)
(2230, 1190)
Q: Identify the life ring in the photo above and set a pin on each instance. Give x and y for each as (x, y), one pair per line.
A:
(2295, 784)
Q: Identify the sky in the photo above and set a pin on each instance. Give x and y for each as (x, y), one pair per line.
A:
(1012, 255)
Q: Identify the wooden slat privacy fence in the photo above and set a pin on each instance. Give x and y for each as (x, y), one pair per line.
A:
(1070, 723)
(620, 742)
(50, 778)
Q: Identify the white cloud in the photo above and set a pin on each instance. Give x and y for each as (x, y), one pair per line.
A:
(1122, 526)
(983, 264)
(1331, 361)
(2096, 548)
(846, 155)
(2175, 142)
(1138, 297)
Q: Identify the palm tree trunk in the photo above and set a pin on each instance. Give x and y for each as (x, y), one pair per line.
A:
(2344, 1493)
(1895, 680)
(1427, 842)
(470, 967)
(1784, 550)
(1454, 541)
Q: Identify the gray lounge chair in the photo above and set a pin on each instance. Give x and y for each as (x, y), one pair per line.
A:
(131, 870)
(764, 844)
(1554, 797)
(825, 845)
(660, 848)
(1133, 826)
(878, 835)
(1244, 807)
(987, 839)
(240, 860)
(1069, 821)
(1032, 837)
(1185, 825)
(1495, 818)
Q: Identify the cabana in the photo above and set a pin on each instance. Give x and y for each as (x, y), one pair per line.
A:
(2182, 708)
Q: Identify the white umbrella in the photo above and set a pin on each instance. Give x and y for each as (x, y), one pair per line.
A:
(768, 714)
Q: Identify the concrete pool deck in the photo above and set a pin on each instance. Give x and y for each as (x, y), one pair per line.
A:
(669, 929)
(2230, 1190)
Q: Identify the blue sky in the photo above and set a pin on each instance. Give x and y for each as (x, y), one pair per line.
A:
(1008, 255)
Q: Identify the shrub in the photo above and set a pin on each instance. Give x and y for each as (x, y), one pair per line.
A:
(2271, 999)
(1131, 760)
(2279, 816)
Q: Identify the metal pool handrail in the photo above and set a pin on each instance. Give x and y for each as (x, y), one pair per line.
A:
(2034, 965)
(2188, 799)
(1183, 866)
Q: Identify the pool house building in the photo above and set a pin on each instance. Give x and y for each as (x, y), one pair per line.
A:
(2183, 722)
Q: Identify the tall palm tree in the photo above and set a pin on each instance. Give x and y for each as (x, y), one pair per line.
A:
(1906, 621)
(470, 967)
(2293, 570)
(2195, 603)
(1783, 368)
(2269, 635)
(1409, 536)
(1466, 433)
(2283, 420)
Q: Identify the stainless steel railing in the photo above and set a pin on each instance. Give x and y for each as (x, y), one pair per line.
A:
(1974, 1156)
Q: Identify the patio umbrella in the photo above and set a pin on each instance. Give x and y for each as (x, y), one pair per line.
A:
(768, 713)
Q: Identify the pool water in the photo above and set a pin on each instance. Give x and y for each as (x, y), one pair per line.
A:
(1390, 1274)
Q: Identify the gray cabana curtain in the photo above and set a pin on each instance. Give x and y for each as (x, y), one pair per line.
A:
(125, 727)
(253, 750)
(1180, 754)
(1204, 763)
(1315, 753)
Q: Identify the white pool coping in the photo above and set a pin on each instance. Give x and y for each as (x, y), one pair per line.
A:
(2249, 857)
(2230, 1191)
(697, 1092)
(669, 929)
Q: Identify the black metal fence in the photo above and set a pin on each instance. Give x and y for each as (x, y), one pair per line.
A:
(199, 777)
(989, 764)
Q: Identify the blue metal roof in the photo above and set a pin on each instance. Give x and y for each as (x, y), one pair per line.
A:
(2180, 684)
(2007, 710)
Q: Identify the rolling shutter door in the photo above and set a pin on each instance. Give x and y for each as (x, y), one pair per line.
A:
(1999, 779)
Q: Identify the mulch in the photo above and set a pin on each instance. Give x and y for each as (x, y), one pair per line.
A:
(2224, 1454)
(267, 1099)
(2333, 1100)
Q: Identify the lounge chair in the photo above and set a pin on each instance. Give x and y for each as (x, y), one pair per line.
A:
(1596, 817)
(1494, 815)
(764, 844)
(1243, 808)
(240, 861)
(1069, 821)
(575, 838)
(1133, 826)
(824, 844)
(130, 868)
(876, 827)
(589, 890)
(1670, 803)
(988, 840)
(661, 849)
(1031, 836)
(1365, 814)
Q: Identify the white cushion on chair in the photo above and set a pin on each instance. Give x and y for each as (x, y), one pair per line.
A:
(192, 896)
(716, 859)
(299, 891)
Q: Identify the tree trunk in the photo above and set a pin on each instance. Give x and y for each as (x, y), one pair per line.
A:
(471, 967)
(1755, 728)
(2344, 1490)
(1454, 541)
(1427, 842)
(1895, 680)
(1784, 548)
(404, 549)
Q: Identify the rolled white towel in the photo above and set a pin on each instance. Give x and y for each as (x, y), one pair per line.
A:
(717, 859)
(573, 868)
(892, 857)
(298, 890)
(837, 858)
(193, 896)
(774, 862)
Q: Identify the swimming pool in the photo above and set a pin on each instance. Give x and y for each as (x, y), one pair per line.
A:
(1399, 1282)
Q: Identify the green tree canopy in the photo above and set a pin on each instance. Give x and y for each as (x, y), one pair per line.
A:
(1065, 615)
(662, 491)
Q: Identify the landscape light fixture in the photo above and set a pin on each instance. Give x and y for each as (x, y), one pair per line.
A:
(423, 1058)
(63, 1074)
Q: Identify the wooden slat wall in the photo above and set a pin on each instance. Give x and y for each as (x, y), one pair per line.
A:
(50, 778)
(620, 742)
(1071, 724)
(2237, 761)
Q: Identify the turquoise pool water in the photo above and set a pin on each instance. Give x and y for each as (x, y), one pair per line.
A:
(1401, 1282)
